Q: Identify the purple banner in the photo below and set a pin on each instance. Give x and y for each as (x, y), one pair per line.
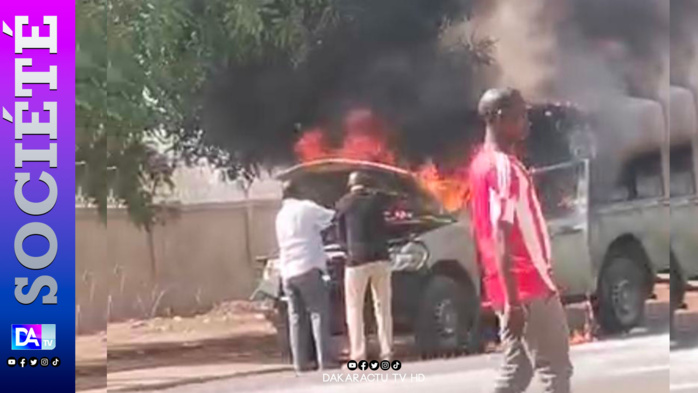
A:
(37, 195)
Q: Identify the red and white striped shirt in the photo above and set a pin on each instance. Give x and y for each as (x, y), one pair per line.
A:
(503, 191)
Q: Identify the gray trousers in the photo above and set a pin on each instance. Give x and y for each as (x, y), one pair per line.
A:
(308, 308)
(543, 347)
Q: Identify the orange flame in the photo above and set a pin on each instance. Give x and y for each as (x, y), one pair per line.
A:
(366, 139)
(452, 190)
(312, 146)
(586, 333)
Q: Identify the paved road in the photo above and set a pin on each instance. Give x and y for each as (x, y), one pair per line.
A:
(684, 370)
(638, 364)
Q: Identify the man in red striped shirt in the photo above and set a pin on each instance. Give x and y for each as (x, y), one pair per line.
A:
(514, 251)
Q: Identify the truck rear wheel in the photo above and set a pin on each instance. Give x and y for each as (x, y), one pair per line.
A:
(622, 295)
(446, 321)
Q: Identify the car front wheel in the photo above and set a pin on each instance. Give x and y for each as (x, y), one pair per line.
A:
(446, 318)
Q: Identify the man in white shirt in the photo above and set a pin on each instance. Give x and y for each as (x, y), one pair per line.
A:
(299, 226)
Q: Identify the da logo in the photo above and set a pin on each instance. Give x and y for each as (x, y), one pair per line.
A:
(33, 337)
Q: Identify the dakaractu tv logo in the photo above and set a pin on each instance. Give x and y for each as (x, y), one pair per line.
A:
(33, 337)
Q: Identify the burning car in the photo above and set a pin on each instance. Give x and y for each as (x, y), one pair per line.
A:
(604, 201)
(435, 278)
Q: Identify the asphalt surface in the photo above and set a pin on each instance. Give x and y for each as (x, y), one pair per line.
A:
(639, 363)
(684, 370)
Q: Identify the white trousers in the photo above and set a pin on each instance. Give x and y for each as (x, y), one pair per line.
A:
(356, 279)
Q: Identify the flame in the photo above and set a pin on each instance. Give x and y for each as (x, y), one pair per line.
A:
(366, 138)
(452, 189)
(312, 146)
(586, 334)
(578, 337)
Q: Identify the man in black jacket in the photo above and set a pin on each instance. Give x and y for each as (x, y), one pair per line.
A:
(362, 228)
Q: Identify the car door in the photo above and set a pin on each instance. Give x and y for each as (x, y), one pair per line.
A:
(563, 191)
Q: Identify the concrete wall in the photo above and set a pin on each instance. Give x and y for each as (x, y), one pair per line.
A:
(201, 255)
(91, 274)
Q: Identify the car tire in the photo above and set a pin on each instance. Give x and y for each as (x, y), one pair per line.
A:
(623, 291)
(447, 318)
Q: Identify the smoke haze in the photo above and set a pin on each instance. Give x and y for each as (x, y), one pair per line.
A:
(684, 38)
(577, 49)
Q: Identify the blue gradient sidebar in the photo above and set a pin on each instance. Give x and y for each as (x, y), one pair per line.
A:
(37, 195)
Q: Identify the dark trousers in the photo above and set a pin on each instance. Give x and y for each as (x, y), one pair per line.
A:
(309, 308)
(544, 348)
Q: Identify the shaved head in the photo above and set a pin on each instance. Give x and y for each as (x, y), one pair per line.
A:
(496, 102)
(506, 116)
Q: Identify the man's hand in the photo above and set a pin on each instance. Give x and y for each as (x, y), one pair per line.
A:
(515, 320)
(514, 317)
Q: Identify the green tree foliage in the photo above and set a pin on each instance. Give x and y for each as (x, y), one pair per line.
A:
(141, 67)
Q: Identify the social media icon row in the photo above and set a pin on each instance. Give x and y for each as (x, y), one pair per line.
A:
(33, 362)
(374, 365)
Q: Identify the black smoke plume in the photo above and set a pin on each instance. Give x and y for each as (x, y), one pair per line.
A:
(383, 55)
(389, 56)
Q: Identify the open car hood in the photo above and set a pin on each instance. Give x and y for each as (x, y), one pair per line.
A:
(325, 181)
(337, 165)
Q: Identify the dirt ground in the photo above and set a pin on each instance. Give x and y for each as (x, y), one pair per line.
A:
(235, 331)
(238, 333)
(91, 363)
